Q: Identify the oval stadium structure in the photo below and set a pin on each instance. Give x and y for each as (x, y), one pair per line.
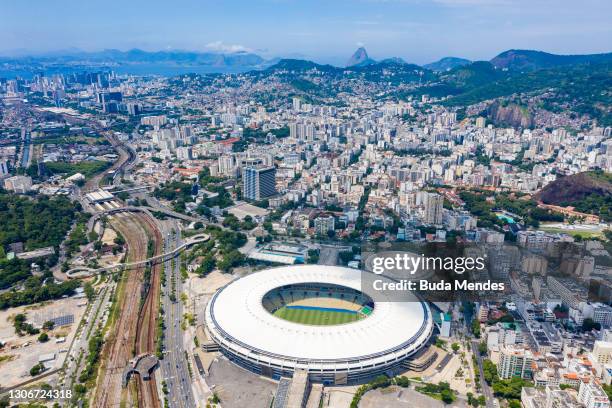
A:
(315, 318)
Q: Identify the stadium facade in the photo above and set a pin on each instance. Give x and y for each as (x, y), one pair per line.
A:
(240, 318)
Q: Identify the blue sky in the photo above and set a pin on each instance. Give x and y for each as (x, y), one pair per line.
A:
(419, 31)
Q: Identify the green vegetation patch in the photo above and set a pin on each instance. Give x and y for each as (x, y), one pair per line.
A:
(86, 168)
(37, 223)
(316, 317)
(440, 391)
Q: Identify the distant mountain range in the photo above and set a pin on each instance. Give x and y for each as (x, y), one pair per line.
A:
(531, 60)
(137, 56)
(573, 80)
(515, 60)
(447, 63)
(523, 60)
(359, 58)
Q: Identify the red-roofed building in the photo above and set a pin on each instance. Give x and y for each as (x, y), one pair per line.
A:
(229, 141)
(187, 172)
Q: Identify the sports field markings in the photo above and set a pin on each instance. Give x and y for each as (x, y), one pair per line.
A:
(317, 316)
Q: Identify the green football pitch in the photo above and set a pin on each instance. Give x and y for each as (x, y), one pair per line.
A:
(316, 317)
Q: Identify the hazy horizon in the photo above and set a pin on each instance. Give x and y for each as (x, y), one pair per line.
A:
(419, 31)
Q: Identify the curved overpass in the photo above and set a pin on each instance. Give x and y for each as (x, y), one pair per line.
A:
(83, 271)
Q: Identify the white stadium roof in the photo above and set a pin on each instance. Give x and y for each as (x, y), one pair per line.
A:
(238, 321)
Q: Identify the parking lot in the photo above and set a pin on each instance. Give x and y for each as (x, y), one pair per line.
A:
(396, 397)
(239, 388)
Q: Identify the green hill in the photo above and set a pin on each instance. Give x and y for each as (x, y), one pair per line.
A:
(589, 192)
(532, 60)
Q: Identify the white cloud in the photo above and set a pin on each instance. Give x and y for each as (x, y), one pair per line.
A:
(220, 46)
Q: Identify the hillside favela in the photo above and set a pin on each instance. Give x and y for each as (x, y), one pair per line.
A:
(277, 204)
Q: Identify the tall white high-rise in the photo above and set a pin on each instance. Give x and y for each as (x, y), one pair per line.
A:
(515, 361)
(297, 104)
(593, 396)
(433, 209)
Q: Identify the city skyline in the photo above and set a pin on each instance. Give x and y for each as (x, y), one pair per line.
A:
(322, 32)
(342, 204)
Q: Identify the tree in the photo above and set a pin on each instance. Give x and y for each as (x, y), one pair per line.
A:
(346, 256)
(482, 348)
(440, 343)
(447, 396)
(21, 325)
(37, 289)
(455, 347)
(48, 325)
(313, 256)
(19, 318)
(119, 240)
(207, 265)
(43, 338)
(37, 369)
(490, 371)
(92, 236)
(402, 381)
(471, 400)
(589, 324)
(90, 292)
(230, 260)
(231, 222)
(476, 328)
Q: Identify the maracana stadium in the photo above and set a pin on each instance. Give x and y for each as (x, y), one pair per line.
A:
(315, 318)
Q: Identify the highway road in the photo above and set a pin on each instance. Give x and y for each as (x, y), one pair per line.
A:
(73, 366)
(174, 365)
(126, 156)
(485, 387)
(26, 148)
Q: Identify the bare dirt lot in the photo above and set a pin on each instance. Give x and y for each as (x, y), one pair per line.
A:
(21, 353)
(396, 397)
(239, 388)
(200, 290)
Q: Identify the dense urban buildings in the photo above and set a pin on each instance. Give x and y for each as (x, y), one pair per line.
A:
(200, 229)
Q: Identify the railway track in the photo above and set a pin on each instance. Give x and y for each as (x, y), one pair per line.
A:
(134, 331)
(147, 320)
(125, 157)
(118, 347)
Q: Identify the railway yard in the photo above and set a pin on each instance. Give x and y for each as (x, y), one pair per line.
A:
(123, 322)
(132, 326)
(132, 315)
